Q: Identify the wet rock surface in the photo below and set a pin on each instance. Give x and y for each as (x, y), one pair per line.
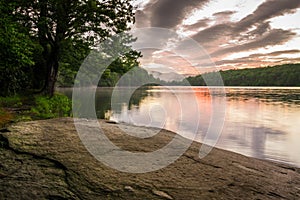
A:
(47, 160)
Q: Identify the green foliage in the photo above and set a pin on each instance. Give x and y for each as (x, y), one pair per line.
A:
(45, 41)
(134, 77)
(25, 108)
(72, 55)
(50, 107)
(11, 101)
(61, 25)
(110, 60)
(109, 78)
(16, 54)
(282, 75)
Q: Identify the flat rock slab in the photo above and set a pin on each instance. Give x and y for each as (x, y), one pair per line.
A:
(47, 160)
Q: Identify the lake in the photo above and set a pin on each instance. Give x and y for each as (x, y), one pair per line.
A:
(259, 122)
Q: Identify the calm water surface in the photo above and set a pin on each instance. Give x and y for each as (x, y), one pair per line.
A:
(259, 122)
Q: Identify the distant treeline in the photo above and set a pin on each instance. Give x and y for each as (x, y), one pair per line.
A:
(281, 75)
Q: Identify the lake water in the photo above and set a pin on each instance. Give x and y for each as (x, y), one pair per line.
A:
(258, 122)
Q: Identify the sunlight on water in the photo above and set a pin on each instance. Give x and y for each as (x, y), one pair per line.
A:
(259, 122)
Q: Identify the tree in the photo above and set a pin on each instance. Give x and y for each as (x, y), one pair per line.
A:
(57, 22)
(280, 75)
(72, 57)
(16, 54)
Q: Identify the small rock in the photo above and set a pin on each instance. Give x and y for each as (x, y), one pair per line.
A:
(161, 194)
(128, 188)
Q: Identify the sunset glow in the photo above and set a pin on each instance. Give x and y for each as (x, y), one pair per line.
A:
(235, 34)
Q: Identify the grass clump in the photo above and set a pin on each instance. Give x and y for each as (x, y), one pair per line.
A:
(26, 108)
(58, 105)
(11, 101)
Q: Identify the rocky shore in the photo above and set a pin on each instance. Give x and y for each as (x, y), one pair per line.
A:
(46, 160)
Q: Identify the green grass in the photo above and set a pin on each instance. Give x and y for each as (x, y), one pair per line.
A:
(11, 101)
(52, 107)
(33, 107)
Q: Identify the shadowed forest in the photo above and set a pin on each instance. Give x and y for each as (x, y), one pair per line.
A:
(282, 75)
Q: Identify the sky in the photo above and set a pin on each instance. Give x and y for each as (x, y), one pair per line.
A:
(233, 33)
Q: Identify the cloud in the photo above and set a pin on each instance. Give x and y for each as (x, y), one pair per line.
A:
(260, 30)
(275, 53)
(236, 61)
(213, 33)
(222, 17)
(199, 24)
(224, 13)
(223, 33)
(239, 31)
(267, 10)
(274, 37)
(292, 60)
(220, 35)
(278, 53)
(170, 13)
(255, 60)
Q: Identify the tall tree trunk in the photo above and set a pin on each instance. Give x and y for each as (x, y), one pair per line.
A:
(50, 52)
(52, 72)
(55, 41)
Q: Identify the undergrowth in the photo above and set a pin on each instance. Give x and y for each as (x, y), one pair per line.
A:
(52, 107)
(26, 108)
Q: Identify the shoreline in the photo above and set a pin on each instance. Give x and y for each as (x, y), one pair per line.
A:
(216, 147)
(46, 159)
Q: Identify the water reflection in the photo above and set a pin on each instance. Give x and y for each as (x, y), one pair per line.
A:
(263, 129)
(280, 95)
(260, 122)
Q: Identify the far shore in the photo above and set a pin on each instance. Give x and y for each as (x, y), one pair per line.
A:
(46, 160)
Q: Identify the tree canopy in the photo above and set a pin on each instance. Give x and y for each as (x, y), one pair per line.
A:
(16, 55)
(62, 29)
(282, 75)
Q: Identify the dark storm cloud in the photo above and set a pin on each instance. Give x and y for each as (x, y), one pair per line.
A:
(274, 37)
(170, 13)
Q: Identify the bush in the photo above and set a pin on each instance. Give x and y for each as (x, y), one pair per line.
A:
(51, 107)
